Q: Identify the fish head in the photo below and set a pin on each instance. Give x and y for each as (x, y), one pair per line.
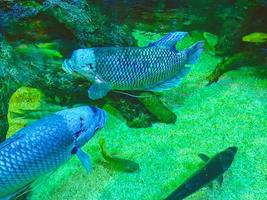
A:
(227, 157)
(83, 62)
(83, 122)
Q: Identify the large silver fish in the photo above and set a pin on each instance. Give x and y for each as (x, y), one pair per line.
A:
(42, 147)
(157, 67)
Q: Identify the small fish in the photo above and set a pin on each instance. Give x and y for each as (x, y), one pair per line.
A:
(213, 169)
(36, 113)
(117, 163)
(42, 48)
(255, 37)
(157, 67)
(42, 147)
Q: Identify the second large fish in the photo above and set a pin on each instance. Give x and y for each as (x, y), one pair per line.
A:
(157, 67)
(43, 146)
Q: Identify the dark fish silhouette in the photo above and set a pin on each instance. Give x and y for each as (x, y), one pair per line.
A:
(213, 169)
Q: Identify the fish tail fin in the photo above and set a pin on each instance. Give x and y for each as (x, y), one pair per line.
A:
(193, 53)
(102, 144)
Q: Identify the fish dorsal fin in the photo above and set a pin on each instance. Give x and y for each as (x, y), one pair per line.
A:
(204, 157)
(171, 83)
(102, 144)
(169, 40)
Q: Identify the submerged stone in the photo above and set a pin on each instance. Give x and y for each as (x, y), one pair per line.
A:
(27, 105)
(245, 58)
(211, 39)
(132, 110)
(153, 104)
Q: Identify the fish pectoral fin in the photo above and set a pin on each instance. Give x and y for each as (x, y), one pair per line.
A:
(204, 157)
(220, 180)
(99, 90)
(85, 160)
(169, 40)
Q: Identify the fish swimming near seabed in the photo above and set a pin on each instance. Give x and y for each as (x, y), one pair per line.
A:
(117, 163)
(213, 169)
(256, 37)
(157, 67)
(42, 147)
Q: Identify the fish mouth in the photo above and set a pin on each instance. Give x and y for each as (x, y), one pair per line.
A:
(66, 66)
(101, 116)
(233, 149)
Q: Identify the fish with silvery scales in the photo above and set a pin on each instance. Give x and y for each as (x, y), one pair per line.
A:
(213, 169)
(157, 67)
(42, 147)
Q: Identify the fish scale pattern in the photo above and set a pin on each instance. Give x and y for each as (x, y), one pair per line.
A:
(137, 68)
(34, 151)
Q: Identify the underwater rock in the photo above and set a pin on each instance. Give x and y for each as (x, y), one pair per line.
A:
(132, 110)
(153, 104)
(11, 11)
(246, 58)
(142, 111)
(211, 39)
(82, 23)
(89, 25)
(236, 21)
(81, 20)
(8, 83)
(27, 105)
(22, 20)
(23, 98)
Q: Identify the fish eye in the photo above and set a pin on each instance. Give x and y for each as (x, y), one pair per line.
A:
(89, 65)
